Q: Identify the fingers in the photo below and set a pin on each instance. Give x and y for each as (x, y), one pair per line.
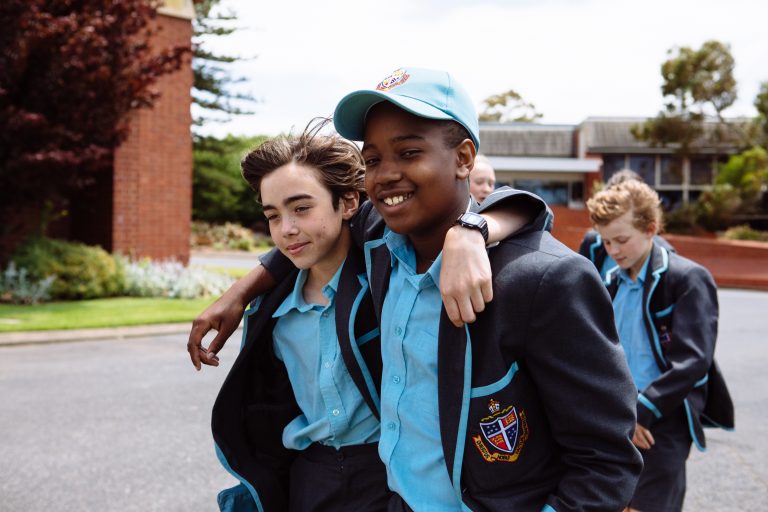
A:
(194, 344)
(452, 309)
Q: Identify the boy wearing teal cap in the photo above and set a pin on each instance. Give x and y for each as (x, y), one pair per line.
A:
(529, 408)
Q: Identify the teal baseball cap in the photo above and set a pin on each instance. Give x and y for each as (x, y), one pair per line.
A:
(422, 92)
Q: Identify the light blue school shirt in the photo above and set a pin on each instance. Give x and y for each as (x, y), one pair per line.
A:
(333, 410)
(628, 313)
(410, 443)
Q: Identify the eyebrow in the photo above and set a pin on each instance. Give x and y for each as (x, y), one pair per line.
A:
(393, 140)
(288, 200)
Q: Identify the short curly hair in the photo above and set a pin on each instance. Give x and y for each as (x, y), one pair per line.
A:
(338, 162)
(632, 195)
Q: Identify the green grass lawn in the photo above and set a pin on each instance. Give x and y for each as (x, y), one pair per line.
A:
(115, 312)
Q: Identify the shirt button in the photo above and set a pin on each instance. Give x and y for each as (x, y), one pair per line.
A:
(398, 331)
(327, 364)
(391, 426)
(335, 412)
(396, 379)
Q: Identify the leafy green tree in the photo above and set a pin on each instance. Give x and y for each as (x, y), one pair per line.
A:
(761, 104)
(508, 107)
(219, 192)
(212, 92)
(747, 172)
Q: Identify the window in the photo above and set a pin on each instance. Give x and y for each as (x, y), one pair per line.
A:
(671, 199)
(611, 164)
(552, 192)
(702, 171)
(645, 166)
(671, 171)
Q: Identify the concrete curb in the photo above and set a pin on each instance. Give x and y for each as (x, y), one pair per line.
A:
(42, 337)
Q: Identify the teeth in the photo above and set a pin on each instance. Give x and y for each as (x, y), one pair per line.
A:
(392, 201)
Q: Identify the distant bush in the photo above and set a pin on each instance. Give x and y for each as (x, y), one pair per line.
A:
(17, 287)
(745, 232)
(82, 271)
(171, 279)
(227, 236)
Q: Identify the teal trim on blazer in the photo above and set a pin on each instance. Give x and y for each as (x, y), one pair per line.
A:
(496, 386)
(656, 278)
(367, 337)
(595, 245)
(356, 348)
(664, 312)
(246, 317)
(701, 381)
(458, 457)
(224, 462)
(609, 275)
(643, 400)
(549, 221)
(547, 508)
(688, 414)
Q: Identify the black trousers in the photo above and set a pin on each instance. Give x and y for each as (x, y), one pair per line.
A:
(661, 487)
(352, 479)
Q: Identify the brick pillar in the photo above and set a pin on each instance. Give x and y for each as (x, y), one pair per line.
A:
(152, 188)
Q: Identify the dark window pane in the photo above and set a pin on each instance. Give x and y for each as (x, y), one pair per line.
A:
(671, 171)
(551, 192)
(611, 164)
(645, 166)
(693, 195)
(577, 191)
(701, 171)
(671, 199)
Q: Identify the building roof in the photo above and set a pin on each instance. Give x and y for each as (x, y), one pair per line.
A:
(527, 139)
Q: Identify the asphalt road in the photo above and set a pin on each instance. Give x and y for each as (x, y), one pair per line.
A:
(123, 425)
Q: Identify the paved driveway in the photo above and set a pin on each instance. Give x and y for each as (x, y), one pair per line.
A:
(123, 425)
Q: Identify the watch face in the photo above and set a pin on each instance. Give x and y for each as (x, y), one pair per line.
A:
(472, 219)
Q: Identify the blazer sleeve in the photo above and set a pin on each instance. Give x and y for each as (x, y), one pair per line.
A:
(528, 204)
(692, 348)
(583, 380)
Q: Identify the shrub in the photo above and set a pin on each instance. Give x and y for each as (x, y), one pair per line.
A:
(17, 287)
(82, 271)
(745, 232)
(227, 236)
(171, 279)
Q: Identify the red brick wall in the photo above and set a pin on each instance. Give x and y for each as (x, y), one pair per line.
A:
(152, 205)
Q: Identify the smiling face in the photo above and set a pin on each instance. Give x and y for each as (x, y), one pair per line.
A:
(482, 180)
(303, 222)
(626, 244)
(413, 179)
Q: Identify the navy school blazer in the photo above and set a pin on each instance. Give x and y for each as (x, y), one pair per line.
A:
(680, 314)
(540, 364)
(256, 400)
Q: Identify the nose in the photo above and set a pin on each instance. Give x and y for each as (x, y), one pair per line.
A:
(386, 172)
(612, 250)
(288, 227)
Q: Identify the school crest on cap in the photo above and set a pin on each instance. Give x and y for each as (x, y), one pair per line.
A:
(505, 431)
(396, 78)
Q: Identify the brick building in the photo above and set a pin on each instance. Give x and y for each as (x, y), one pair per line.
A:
(144, 206)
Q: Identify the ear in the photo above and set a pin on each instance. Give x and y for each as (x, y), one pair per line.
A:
(350, 201)
(651, 231)
(465, 158)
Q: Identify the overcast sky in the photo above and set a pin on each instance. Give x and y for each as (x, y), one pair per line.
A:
(571, 58)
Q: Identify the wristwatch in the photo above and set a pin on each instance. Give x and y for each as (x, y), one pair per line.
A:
(476, 221)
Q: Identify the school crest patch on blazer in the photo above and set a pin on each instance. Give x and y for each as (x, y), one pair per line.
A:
(505, 431)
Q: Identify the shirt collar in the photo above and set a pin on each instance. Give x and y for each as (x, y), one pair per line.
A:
(624, 276)
(296, 298)
(401, 253)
